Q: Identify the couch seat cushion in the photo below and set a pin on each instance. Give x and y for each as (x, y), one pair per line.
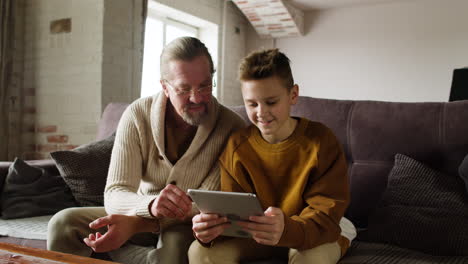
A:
(26, 228)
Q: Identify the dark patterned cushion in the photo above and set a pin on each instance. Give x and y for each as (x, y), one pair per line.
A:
(421, 209)
(85, 168)
(463, 170)
(31, 191)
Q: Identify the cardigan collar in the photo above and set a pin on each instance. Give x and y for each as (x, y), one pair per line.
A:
(158, 117)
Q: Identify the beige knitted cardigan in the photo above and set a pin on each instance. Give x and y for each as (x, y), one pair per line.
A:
(139, 168)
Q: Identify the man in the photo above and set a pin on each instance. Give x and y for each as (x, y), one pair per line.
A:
(164, 145)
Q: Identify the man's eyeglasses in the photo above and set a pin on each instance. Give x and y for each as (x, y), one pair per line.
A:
(186, 90)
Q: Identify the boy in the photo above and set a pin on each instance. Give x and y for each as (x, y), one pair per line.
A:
(296, 168)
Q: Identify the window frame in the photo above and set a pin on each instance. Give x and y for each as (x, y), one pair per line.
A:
(166, 21)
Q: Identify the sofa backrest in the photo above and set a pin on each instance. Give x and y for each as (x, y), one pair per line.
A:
(110, 119)
(372, 132)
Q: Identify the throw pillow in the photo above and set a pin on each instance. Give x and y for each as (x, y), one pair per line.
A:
(85, 169)
(31, 191)
(463, 170)
(421, 209)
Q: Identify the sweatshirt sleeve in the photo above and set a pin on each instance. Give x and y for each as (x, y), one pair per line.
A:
(233, 178)
(326, 196)
(228, 183)
(125, 171)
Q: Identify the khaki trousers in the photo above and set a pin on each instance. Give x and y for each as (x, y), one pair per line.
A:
(235, 250)
(68, 227)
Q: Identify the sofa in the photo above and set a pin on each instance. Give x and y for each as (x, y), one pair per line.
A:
(404, 159)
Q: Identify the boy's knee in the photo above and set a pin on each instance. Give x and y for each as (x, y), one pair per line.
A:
(61, 231)
(329, 253)
(198, 253)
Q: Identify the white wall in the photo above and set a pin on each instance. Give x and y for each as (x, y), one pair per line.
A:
(233, 49)
(402, 51)
(122, 51)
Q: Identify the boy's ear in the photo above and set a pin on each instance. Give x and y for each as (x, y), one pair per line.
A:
(164, 87)
(294, 94)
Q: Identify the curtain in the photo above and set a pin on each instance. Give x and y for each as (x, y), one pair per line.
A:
(7, 28)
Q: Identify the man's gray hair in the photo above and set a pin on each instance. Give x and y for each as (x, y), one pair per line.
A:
(184, 49)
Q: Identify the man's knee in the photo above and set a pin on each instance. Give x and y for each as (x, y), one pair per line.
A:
(67, 228)
(64, 218)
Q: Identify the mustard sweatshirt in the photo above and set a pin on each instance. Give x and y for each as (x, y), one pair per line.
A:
(304, 175)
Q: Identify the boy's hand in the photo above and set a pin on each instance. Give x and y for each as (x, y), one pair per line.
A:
(267, 229)
(207, 227)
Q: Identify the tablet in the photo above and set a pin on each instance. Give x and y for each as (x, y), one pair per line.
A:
(234, 205)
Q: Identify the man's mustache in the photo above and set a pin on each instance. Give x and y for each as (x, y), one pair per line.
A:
(191, 105)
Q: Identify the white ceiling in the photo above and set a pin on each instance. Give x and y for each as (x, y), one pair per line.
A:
(307, 5)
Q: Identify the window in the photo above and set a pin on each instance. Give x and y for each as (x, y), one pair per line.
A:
(164, 24)
(158, 32)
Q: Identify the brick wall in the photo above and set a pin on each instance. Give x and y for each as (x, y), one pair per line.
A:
(68, 77)
(62, 72)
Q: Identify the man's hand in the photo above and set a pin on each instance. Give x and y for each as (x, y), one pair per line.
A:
(172, 202)
(208, 226)
(267, 229)
(120, 229)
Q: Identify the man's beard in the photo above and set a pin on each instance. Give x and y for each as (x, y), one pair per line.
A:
(195, 119)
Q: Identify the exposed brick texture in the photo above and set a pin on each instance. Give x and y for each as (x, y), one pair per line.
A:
(67, 147)
(57, 139)
(46, 147)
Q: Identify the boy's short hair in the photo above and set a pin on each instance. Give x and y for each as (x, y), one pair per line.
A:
(184, 49)
(264, 64)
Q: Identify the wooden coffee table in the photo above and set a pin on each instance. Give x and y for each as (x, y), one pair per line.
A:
(16, 254)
